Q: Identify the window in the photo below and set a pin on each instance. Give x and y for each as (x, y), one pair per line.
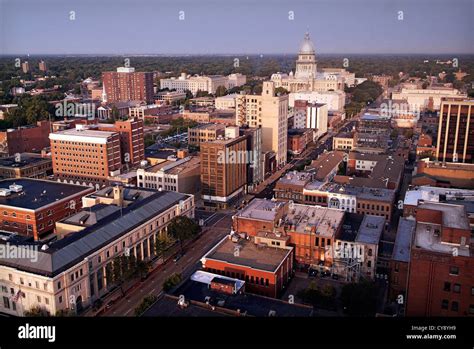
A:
(60, 299)
(454, 306)
(444, 304)
(59, 285)
(6, 302)
(453, 270)
(457, 288)
(447, 286)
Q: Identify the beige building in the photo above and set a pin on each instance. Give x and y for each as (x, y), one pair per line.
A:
(208, 83)
(181, 175)
(343, 142)
(226, 102)
(430, 98)
(71, 273)
(306, 76)
(205, 133)
(270, 112)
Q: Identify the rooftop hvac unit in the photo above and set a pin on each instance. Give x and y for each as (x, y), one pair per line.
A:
(5, 192)
(16, 188)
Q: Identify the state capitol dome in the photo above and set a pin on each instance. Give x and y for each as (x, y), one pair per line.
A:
(307, 46)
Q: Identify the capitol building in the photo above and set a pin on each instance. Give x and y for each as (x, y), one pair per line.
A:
(306, 77)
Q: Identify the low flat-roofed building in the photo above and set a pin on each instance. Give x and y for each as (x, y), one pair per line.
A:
(291, 185)
(26, 165)
(343, 141)
(266, 268)
(30, 207)
(71, 273)
(312, 230)
(258, 215)
(205, 133)
(180, 175)
(201, 300)
(444, 174)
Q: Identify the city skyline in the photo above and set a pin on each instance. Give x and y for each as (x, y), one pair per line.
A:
(338, 27)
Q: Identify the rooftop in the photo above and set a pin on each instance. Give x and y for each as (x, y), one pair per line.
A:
(176, 167)
(310, 219)
(454, 216)
(25, 159)
(326, 163)
(436, 194)
(370, 229)
(70, 134)
(64, 253)
(243, 303)
(402, 247)
(261, 209)
(249, 254)
(295, 178)
(426, 238)
(38, 193)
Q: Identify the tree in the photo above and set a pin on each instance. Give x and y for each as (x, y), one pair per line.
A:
(36, 311)
(359, 299)
(281, 91)
(183, 228)
(161, 245)
(171, 282)
(145, 304)
(221, 91)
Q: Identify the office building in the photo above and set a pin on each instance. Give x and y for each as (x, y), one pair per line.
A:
(270, 112)
(456, 131)
(127, 85)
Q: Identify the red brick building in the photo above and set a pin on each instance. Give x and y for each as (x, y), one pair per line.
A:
(26, 139)
(31, 207)
(264, 262)
(441, 279)
(127, 85)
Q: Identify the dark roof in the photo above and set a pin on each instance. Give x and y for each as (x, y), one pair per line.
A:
(26, 159)
(67, 252)
(254, 305)
(401, 249)
(167, 306)
(350, 226)
(38, 193)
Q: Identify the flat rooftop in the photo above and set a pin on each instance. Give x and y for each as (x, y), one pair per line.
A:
(401, 249)
(261, 209)
(427, 240)
(81, 133)
(246, 303)
(209, 126)
(295, 178)
(26, 159)
(176, 167)
(250, 254)
(370, 229)
(37, 193)
(309, 219)
(454, 216)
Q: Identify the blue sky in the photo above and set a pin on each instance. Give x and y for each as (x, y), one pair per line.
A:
(234, 26)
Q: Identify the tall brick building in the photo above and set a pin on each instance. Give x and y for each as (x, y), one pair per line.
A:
(441, 279)
(127, 85)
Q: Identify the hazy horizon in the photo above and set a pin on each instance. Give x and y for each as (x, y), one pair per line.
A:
(228, 27)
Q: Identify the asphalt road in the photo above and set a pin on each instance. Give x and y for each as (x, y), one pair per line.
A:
(186, 265)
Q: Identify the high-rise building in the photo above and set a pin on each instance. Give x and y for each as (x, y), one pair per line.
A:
(317, 118)
(223, 171)
(127, 85)
(42, 66)
(270, 112)
(85, 156)
(25, 66)
(456, 131)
